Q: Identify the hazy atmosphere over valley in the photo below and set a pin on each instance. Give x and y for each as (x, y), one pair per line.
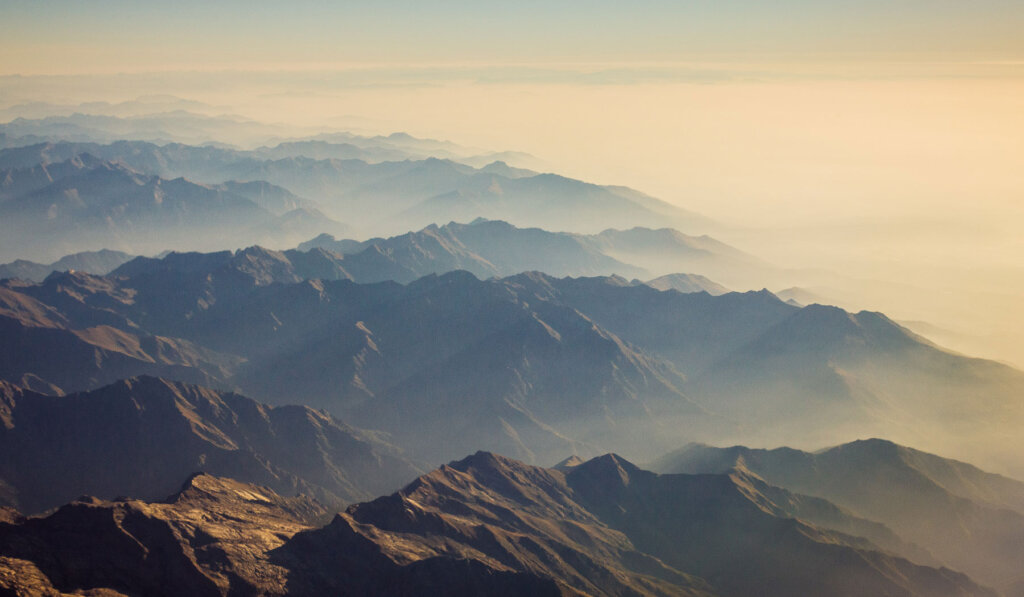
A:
(692, 298)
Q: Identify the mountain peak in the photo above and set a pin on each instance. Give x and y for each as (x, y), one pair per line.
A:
(611, 470)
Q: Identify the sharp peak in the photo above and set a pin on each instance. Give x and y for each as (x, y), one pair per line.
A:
(203, 485)
(71, 274)
(612, 457)
(610, 463)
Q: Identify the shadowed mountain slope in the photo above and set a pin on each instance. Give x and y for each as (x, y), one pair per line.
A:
(595, 528)
(533, 365)
(141, 436)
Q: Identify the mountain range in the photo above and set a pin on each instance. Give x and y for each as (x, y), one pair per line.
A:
(388, 197)
(481, 525)
(289, 400)
(529, 365)
(173, 120)
(486, 248)
(100, 262)
(496, 248)
(86, 203)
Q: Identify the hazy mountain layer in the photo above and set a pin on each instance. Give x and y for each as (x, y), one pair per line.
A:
(687, 283)
(384, 197)
(95, 204)
(183, 121)
(531, 365)
(969, 519)
(100, 262)
(484, 248)
(860, 374)
(496, 248)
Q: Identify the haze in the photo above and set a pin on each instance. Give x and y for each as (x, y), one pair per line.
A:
(880, 143)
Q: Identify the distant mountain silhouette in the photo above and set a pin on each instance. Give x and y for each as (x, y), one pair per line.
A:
(861, 373)
(384, 196)
(484, 247)
(100, 262)
(686, 283)
(181, 121)
(109, 205)
(496, 248)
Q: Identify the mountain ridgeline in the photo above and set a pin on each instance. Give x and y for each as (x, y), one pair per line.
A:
(529, 365)
(72, 195)
(481, 525)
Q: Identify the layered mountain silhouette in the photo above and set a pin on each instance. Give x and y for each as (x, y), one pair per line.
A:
(530, 365)
(482, 525)
(687, 283)
(142, 436)
(667, 250)
(485, 248)
(378, 197)
(91, 262)
(866, 370)
(968, 519)
(95, 204)
(184, 121)
(496, 248)
(369, 361)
